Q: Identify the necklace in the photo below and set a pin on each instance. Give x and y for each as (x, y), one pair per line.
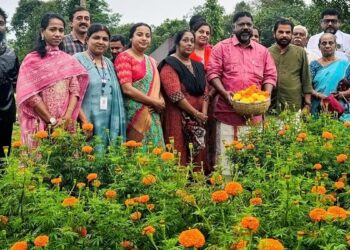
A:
(103, 75)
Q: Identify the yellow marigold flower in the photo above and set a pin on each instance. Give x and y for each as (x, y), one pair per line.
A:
(16, 144)
(41, 134)
(181, 193)
(318, 189)
(339, 185)
(56, 181)
(150, 206)
(318, 214)
(96, 183)
(167, 156)
(19, 245)
(148, 230)
(135, 216)
(189, 199)
(41, 241)
(233, 188)
(219, 196)
(110, 194)
(342, 158)
(317, 166)
(270, 244)
(336, 212)
(81, 185)
(157, 151)
(255, 201)
(240, 245)
(143, 160)
(55, 134)
(91, 177)
(327, 135)
(250, 146)
(126, 244)
(250, 222)
(87, 149)
(4, 219)
(129, 202)
(192, 238)
(142, 199)
(91, 158)
(70, 201)
(149, 180)
(88, 127)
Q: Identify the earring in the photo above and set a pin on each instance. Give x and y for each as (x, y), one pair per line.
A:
(42, 37)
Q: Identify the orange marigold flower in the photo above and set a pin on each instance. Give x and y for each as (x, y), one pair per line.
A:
(91, 177)
(81, 185)
(327, 135)
(281, 132)
(126, 244)
(148, 230)
(339, 185)
(4, 219)
(149, 180)
(250, 146)
(55, 134)
(217, 179)
(131, 144)
(41, 241)
(110, 194)
(88, 127)
(255, 201)
(70, 201)
(16, 144)
(233, 188)
(167, 156)
(136, 216)
(19, 245)
(150, 207)
(129, 202)
(239, 146)
(157, 151)
(142, 199)
(56, 181)
(41, 134)
(318, 214)
(317, 166)
(342, 158)
(240, 245)
(336, 212)
(219, 196)
(83, 232)
(87, 149)
(270, 244)
(250, 222)
(346, 124)
(329, 197)
(318, 189)
(192, 238)
(299, 139)
(302, 135)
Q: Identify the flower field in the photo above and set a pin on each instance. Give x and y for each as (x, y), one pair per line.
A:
(289, 189)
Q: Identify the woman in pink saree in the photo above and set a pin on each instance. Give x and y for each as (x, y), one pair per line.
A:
(51, 84)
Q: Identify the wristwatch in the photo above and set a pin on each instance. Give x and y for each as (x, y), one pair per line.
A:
(53, 121)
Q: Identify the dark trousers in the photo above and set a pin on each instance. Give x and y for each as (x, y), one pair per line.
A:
(6, 128)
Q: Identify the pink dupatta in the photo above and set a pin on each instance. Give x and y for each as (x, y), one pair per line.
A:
(37, 74)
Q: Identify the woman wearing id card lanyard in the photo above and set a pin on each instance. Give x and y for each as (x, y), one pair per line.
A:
(139, 79)
(103, 102)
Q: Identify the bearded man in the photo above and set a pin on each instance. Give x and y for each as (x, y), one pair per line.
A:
(294, 85)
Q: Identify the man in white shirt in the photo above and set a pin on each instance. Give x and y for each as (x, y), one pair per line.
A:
(330, 23)
(299, 38)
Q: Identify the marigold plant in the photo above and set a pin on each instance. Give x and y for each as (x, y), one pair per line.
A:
(240, 245)
(4, 219)
(336, 212)
(327, 135)
(342, 158)
(270, 244)
(339, 185)
(55, 134)
(135, 216)
(56, 181)
(149, 180)
(256, 201)
(148, 230)
(126, 244)
(81, 185)
(318, 189)
(317, 166)
(250, 146)
(142, 199)
(92, 176)
(233, 188)
(88, 127)
(250, 222)
(219, 196)
(157, 151)
(192, 238)
(20, 245)
(87, 149)
(70, 201)
(167, 156)
(111, 194)
(41, 241)
(131, 144)
(41, 134)
(318, 214)
(216, 180)
(16, 144)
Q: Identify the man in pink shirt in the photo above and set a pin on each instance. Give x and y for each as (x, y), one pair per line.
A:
(235, 64)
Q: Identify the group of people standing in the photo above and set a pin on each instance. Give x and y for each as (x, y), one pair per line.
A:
(186, 96)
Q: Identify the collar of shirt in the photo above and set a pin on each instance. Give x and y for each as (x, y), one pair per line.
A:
(75, 39)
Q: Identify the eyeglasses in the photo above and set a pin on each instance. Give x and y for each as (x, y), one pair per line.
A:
(327, 21)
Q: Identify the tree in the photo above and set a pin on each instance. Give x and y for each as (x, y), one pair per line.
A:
(214, 12)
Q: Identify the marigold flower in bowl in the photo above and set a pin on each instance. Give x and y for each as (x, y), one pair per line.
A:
(250, 222)
(142, 199)
(148, 230)
(88, 127)
(167, 156)
(87, 149)
(270, 244)
(41, 241)
(317, 166)
(256, 201)
(16, 144)
(336, 212)
(339, 185)
(70, 201)
(219, 196)
(135, 216)
(149, 180)
(157, 151)
(327, 135)
(41, 134)
(111, 194)
(91, 177)
(342, 158)
(19, 245)
(192, 238)
(233, 188)
(318, 189)
(318, 214)
(240, 245)
(56, 181)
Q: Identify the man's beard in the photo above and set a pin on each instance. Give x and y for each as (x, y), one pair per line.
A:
(330, 30)
(2, 36)
(244, 37)
(283, 42)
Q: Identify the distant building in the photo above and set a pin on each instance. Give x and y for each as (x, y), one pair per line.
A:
(162, 51)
